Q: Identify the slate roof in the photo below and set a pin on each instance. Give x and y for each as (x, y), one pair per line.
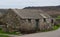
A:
(30, 14)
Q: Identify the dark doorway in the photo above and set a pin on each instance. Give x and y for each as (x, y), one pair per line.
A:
(37, 24)
(29, 20)
(44, 19)
(52, 21)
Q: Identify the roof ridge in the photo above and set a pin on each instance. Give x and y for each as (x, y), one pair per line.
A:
(16, 12)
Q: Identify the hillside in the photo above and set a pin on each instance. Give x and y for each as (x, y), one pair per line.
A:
(51, 10)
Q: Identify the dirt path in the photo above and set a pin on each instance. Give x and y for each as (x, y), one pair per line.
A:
(55, 33)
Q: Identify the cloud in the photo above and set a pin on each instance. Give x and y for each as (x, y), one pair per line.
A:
(24, 3)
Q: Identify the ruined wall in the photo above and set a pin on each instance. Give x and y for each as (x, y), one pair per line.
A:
(45, 25)
(28, 26)
(12, 21)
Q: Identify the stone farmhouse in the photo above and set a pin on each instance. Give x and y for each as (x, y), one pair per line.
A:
(25, 20)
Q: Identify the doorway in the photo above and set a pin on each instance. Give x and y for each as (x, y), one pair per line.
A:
(37, 24)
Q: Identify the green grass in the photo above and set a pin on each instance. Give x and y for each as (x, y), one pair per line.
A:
(4, 36)
(14, 33)
(58, 17)
(56, 27)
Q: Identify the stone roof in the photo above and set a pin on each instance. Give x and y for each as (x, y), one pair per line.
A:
(30, 14)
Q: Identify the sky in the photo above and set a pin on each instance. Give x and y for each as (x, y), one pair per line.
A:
(26, 3)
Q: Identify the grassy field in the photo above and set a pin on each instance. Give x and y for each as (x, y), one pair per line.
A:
(4, 36)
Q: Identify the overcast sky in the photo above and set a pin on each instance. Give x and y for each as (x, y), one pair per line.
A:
(25, 3)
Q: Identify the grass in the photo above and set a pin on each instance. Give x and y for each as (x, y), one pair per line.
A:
(56, 27)
(4, 36)
(58, 17)
(14, 33)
